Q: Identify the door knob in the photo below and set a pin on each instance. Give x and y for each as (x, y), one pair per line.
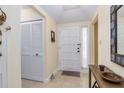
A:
(78, 51)
(37, 54)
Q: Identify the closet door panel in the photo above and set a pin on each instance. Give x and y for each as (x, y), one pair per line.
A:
(26, 66)
(37, 38)
(37, 71)
(26, 39)
(32, 68)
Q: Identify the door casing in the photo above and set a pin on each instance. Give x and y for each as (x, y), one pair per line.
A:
(3, 59)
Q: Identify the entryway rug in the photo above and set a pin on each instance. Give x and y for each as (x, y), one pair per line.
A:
(71, 73)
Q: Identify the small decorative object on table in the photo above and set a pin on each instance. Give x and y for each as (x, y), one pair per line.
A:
(101, 67)
(109, 76)
(112, 77)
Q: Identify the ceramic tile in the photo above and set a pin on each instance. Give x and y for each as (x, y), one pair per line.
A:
(60, 81)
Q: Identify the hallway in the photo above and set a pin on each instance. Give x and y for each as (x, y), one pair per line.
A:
(37, 44)
(67, 46)
(60, 81)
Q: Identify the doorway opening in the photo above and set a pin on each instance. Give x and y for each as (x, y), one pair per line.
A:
(96, 42)
(69, 48)
(74, 50)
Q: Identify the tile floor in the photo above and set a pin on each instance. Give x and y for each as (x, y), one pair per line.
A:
(60, 81)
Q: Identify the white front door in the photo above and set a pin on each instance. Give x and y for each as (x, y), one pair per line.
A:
(3, 63)
(32, 50)
(69, 48)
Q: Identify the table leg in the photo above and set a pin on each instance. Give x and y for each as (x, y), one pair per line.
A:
(94, 84)
(89, 78)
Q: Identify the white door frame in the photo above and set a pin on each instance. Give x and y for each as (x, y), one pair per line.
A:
(4, 59)
(43, 43)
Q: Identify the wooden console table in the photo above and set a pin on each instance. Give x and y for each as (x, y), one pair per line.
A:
(100, 82)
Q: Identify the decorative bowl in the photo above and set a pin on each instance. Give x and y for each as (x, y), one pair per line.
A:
(112, 77)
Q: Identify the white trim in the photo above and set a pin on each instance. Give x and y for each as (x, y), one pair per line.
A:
(4, 59)
(37, 78)
(49, 77)
(35, 21)
(44, 49)
(32, 20)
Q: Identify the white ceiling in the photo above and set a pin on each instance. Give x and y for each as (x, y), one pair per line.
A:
(26, 6)
(70, 13)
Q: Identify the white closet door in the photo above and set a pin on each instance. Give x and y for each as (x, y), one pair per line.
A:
(37, 57)
(69, 48)
(32, 63)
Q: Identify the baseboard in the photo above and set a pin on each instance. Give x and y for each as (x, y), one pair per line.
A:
(47, 80)
(49, 77)
(37, 78)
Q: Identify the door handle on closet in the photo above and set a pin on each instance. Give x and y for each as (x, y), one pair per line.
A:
(78, 51)
(37, 54)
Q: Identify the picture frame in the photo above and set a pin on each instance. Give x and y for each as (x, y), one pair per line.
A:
(115, 57)
(52, 36)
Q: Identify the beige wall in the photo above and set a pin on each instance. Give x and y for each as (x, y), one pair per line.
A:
(51, 48)
(121, 19)
(14, 46)
(104, 40)
(29, 14)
